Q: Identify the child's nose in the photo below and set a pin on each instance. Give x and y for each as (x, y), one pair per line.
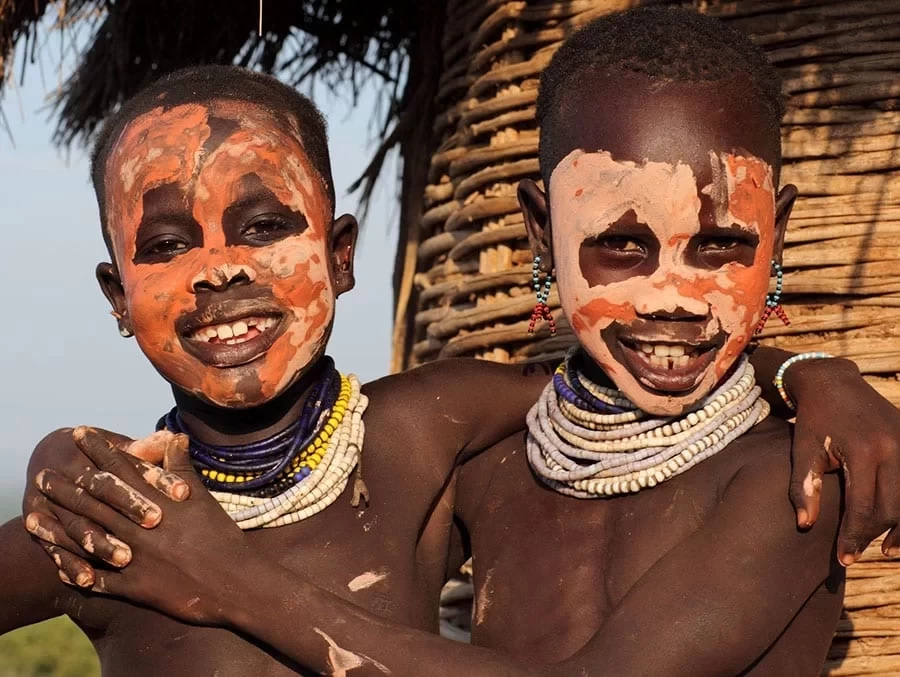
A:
(221, 277)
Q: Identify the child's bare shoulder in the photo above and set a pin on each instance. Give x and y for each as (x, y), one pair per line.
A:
(468, 373)
(451, 408)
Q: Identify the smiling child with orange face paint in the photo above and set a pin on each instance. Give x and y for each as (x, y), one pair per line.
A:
(224, 272)
(226, 267)
(217, 206)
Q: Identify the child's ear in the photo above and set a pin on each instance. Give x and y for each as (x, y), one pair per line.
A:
(533, 203)
(343, 247)
(112, 289)
(784, 203)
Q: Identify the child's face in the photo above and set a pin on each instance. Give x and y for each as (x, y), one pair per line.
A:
(663, 253)
(220, 230)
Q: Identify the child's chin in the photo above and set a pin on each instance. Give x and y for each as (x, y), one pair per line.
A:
(667, 404)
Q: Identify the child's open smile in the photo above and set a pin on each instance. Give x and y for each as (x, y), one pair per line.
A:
(220, 227)
(664, 221)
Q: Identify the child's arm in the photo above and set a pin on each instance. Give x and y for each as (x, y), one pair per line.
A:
(841, 423)
(712, 605)
(472, 404)
(30, 588)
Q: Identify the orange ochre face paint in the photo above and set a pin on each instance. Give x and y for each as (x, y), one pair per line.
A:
(591, 191)
(166, 148)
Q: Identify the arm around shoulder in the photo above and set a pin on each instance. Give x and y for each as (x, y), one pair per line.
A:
(473, 404)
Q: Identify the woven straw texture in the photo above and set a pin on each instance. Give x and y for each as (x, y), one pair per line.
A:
(840, 60)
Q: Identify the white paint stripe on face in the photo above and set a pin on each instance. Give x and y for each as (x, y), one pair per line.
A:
(591, 191)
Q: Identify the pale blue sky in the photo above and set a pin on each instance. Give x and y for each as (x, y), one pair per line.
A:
(63, 361)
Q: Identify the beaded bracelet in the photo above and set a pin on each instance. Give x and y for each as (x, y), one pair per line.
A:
(779, 375)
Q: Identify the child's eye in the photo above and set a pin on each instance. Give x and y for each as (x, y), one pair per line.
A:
(268, 229)
(716, 245)
(617, 244)
(622, 244)
(163, 246)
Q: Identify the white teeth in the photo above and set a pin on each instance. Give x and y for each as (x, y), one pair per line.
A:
(667, 356)
(230, 333)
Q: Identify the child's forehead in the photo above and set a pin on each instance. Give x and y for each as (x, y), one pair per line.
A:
(637, 118)
(165, 125)
(601, 170)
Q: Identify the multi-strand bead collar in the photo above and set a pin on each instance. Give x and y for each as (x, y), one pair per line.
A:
(585, 440)
(297, 472)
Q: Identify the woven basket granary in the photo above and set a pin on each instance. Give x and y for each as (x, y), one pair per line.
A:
(840, 61)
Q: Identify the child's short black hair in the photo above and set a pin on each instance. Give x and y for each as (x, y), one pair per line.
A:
(666, 44)
(202, 84)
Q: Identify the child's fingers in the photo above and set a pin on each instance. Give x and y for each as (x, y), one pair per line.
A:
(72, 570)
(50, 531)
(114, 484)
(140, 461)
(167, 483)
(86, 520)
(151, 448)
(79, 536)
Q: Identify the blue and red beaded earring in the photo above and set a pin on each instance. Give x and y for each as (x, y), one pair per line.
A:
(542, 291)
(773, 301)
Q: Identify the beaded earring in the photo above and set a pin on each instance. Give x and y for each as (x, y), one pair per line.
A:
(773, 301)
(542, 291)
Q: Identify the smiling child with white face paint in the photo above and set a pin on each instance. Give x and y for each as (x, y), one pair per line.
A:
(663, 278)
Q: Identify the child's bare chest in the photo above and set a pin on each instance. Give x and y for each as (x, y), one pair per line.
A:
(363, 556)
(549, 569)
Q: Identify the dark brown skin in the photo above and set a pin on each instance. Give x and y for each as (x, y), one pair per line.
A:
(404, 536)
(720, 495)
(713, 544)
(697, 577)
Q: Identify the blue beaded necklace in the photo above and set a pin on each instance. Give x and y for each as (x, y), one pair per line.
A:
(266, 461)
(575, 393)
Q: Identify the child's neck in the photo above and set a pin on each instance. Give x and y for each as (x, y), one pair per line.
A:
(221, 426)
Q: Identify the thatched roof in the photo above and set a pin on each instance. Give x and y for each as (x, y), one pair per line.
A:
(340, 43)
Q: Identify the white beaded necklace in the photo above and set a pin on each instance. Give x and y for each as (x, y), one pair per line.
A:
(583, 453)
(320, 488)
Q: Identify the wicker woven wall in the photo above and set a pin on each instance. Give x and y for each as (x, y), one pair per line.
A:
(840, 60)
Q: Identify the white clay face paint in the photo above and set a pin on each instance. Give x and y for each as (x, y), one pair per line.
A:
(591, 191)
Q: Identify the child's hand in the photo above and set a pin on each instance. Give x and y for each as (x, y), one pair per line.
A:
(182, 566)
(73, 541)
(844, 424)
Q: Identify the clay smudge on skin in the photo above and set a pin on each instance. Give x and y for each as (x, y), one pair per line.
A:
(136, 501)
(166, 147)
(367, 580)
(667, 199)
(483, 598)
(33, 526)
(340, 660)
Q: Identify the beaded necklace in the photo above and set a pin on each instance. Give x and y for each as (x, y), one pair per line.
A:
(297, 472)
(585, 440)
